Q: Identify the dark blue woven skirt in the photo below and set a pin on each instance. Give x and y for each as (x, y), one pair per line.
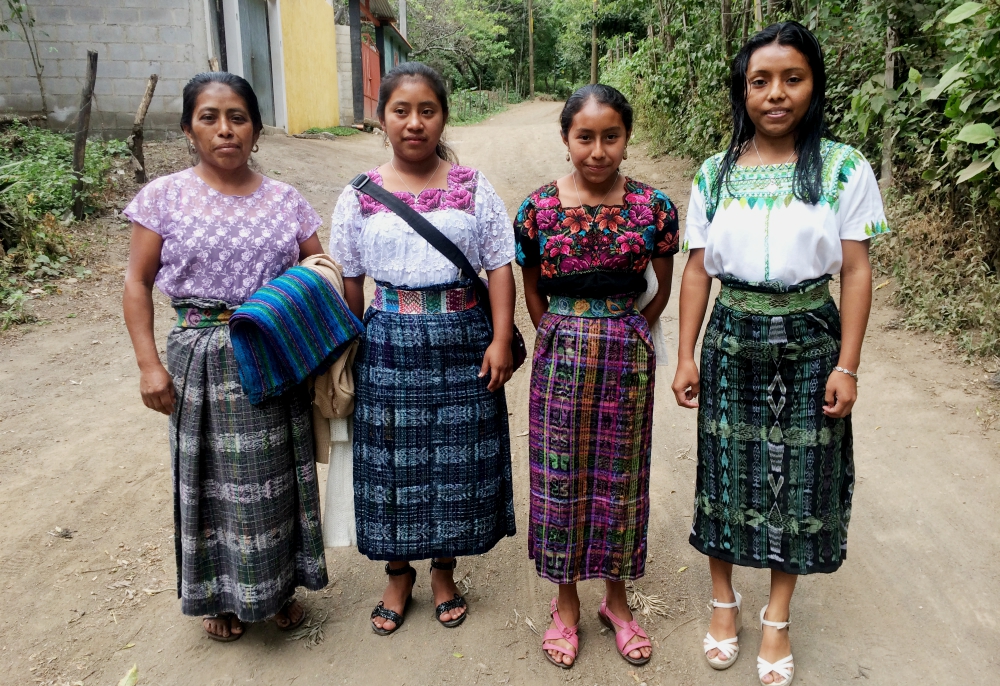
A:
(432, 475)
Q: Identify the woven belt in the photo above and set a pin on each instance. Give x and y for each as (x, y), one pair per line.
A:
(402, 301)
(591, 308)
(775, 304)
(199, 318)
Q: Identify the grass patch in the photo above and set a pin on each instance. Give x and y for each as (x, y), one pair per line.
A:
(472, 107)
(335, 130)
(36, 195)
(947, 274)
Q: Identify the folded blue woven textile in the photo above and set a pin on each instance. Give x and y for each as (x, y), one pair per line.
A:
(295, 326)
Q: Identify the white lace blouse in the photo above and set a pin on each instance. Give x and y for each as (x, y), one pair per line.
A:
(366, 238)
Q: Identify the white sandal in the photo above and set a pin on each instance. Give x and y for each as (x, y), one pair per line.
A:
(729, 648)
(784, 667)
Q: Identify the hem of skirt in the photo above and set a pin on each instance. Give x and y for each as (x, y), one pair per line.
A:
(379, 556)
(203, 609)
(587, 576)
(827, 568)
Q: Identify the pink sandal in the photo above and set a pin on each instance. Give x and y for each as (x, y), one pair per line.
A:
(563, 632)
(625, 632)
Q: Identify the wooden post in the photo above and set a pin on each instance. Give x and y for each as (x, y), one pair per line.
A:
(213, 64)
(593, 46)
(82, 129)
(890, 78)
(135, 140)
(531, 51)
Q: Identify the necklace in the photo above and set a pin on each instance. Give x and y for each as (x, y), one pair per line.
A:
(400, 177)
(600, 204)
(773, 186)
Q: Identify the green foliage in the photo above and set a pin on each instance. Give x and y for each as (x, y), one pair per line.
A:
(335, 130)
(35, 189)
(471, 106)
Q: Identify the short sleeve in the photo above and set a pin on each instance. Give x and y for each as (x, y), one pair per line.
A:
(308, 219)
(529, 252)
(345, 229)
(860, 213)
(697, 223)
(665, 239)
(148, 207)
(496, 240)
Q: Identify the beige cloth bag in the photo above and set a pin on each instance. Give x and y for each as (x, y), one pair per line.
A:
(333, 427)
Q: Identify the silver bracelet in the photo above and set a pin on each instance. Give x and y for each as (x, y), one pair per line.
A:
(853, 375)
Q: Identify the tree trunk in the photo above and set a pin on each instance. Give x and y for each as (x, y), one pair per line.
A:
(890, 77)
(531, 51)
(727, 27)
(593, 45)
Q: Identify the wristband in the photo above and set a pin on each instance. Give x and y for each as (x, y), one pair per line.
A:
(853, 375)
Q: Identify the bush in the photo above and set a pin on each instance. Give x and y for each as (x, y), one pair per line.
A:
(36, 191)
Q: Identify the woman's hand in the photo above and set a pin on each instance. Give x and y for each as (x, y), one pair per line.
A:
(157, 389)
(498, 362)
(841, 394)
(687, 384)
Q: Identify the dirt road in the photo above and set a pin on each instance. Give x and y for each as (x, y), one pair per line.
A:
(916, 602)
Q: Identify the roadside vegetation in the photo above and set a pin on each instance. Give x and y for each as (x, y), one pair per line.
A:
(37, 243)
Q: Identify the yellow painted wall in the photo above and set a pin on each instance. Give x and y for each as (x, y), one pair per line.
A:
(309, 47)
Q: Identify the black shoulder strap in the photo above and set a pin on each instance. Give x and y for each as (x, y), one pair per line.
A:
(362, 183)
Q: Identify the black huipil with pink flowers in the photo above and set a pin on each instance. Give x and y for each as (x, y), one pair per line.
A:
(589, 252)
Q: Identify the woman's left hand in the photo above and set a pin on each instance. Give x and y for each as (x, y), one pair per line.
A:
(841, 394)
(498, 362)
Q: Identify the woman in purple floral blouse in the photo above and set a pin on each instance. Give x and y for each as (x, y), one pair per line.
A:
(584, 243)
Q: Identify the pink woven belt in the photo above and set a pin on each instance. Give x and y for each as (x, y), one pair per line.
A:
(439, 301)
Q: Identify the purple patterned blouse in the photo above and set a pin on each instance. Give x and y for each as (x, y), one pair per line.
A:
(222, 247)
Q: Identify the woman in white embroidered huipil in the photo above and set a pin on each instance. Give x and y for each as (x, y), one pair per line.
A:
(432, 475)
(773, 218)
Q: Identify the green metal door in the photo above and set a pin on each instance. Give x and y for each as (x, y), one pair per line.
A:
(255, 37)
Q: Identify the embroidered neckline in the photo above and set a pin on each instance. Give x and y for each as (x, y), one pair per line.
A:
(459, 194)
(211, 191)
(632, 187)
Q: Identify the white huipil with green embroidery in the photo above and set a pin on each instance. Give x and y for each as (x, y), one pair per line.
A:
(758, 230)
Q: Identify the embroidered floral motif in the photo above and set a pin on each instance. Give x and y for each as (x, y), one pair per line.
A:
(459, 195)
(578, 240)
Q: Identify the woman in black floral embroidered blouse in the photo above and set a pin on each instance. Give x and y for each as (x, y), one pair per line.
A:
(584, 243)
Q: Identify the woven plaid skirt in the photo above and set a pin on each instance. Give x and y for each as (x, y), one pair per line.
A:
(775, 475)
(246, 502)
(590, 432)
(432, 474)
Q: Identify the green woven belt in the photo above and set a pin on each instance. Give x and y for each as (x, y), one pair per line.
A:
(591, 308)
(197, 318)
(775, 304)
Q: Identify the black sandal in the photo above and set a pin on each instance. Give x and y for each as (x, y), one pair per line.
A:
(453, 604)
(385, 613)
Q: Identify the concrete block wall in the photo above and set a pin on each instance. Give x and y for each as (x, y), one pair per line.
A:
(133, 39)
(345, 89)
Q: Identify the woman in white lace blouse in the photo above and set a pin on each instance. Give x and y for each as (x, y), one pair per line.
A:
(432, 475)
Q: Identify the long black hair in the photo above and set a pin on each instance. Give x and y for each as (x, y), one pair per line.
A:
(417, 70)
(605, 95)
(239, 85)
(807, 183)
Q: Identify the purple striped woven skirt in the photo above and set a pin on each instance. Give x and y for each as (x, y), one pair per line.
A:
(590, 433)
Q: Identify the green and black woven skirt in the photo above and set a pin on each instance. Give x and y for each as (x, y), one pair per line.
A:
(775, 475)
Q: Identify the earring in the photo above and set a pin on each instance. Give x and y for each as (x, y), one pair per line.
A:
(385, 141)
(567, 156)
(255, 148)
(191, 149)
(625, 156)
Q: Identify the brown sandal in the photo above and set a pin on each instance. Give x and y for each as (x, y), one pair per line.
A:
(227, 616)
(286, 609)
